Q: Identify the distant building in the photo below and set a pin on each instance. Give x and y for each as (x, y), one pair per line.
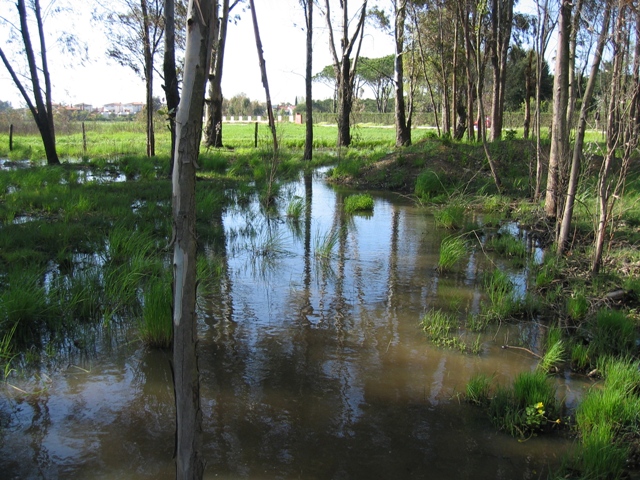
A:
(84, 107)
(115, 108)
(133, 107)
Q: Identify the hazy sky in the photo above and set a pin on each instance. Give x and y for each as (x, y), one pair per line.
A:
(102, 81)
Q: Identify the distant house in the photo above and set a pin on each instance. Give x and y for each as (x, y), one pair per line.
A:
(84, 107)
(115, 108)
(133, 107)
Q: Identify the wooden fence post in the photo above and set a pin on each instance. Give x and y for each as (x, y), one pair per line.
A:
(11, 137)
(84, 141)
(255, 136)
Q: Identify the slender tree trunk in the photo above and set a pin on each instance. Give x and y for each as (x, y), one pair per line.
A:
(559, 132)
(613, 138)
(42, 111)
(189, 462)
(308, 141)
(403, 133)
(574, 79)
(213, 129)
(263, 72)
(527, 95)
(502, 20)
(170, 74)
(148, 77)
(345, 67)
(542, 40)
(572, 186)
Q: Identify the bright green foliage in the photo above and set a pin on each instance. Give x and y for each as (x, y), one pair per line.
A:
(526, 407)
(613, 333)
(156, 326)
(430, 185)
(452, 251)
(479, 389)
(450, 217)
(358, 203)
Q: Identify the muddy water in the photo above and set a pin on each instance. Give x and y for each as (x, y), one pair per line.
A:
(310, 368)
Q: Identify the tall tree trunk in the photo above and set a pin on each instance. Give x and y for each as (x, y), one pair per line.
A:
(308, 82)
(542, 41)
(527, 95)
(189, 462)
(263, 72)
(213, 129)
(148, 77)
(403, 132)
(42, 111)
(574, 79)
(170, 74)
(345, 67)
(559, 132)
(613, 138)
(501, 21)
(572, 186)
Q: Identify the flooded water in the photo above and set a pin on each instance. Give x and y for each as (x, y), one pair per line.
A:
(312, 367)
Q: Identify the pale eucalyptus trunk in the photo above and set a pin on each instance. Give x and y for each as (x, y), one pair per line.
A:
(572, 186)
(560, 131)
(614, 139)
(189, 461)
(263, 72)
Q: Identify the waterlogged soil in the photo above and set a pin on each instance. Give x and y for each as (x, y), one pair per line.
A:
(312, 366)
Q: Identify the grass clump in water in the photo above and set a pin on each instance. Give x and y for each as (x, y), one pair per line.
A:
(605, 419)
(452, 250)
(527, 407)
(478, 389)
(156, 326)
(358, 203)
(450, 217)
(295, 208)
(443, 330)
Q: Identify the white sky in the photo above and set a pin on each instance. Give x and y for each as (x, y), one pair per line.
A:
(102, 81)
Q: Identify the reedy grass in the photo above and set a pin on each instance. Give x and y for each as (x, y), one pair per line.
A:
(295, 208)
(478, 389)
(325, 244)
(452, 251)
(577, 306)
(24, 307)
(358, 203)
(601, 455)
(509, 246)
(553, 357)
(450, 217)
(156, 325)
(613, 333)
(443, 329)
(527, 406)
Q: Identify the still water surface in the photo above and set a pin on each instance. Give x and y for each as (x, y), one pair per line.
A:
(310, 368)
